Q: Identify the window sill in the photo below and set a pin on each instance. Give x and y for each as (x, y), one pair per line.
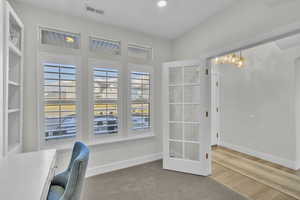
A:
(96, 142)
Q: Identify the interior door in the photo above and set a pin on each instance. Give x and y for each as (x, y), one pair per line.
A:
(186, 97)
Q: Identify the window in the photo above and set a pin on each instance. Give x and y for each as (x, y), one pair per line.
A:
(106, 100)
(139, 52)
(105, 46)
(117, 94)
(59, 100)
(140, 100)
(60, 38)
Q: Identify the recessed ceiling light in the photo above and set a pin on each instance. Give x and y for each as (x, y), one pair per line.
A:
(162, 3)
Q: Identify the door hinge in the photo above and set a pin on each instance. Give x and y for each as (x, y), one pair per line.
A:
(217, 84)
(206, 156)
(217, 109)
(206, 114)
(206, 71)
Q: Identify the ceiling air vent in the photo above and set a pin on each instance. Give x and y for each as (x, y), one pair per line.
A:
(94, 10)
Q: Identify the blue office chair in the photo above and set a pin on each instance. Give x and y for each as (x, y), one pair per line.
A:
(68, 185)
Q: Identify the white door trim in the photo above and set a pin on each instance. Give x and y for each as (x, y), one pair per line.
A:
(215, 109)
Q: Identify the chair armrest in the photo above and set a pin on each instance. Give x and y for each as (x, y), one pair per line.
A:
(61, 179)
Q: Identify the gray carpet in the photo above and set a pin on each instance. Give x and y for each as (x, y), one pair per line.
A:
(151, 182)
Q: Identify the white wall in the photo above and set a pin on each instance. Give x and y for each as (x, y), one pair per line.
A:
(1, 77)
(297, 108)
(257, 103)
(265, 127)
(101, 154)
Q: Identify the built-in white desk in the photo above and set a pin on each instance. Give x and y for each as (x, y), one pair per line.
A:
(27, 176)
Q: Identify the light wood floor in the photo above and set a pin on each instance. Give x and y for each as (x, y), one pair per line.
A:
(246, 186)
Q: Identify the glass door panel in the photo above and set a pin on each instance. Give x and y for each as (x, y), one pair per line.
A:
(176, 131)
(192, 94)
(191, 132)
(176, 149)
(191, 151)
(192, 74)
(175, 75)
(175, 94)
(192, 113)
(176, 113)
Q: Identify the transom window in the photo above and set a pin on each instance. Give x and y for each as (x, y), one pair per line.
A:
(140, 100)
(140, 52)
(59, 100)
(99, 45)
(106, 100)
(59, 38)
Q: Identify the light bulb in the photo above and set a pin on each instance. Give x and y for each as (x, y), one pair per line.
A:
(234, 58)
(226, 59)
(216, 60)
(240, 64)
(162, 3)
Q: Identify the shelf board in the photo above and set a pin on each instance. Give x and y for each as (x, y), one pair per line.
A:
(13, 111)
(14, 48)
(13, 83)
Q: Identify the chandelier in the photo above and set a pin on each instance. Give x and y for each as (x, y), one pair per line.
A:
(237, 60)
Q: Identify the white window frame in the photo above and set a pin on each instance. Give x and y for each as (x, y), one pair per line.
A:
(110, 65)
(45, 57)
(140, 68)
(85, 121)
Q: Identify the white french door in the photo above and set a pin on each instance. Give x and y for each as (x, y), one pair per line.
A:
(186, 97)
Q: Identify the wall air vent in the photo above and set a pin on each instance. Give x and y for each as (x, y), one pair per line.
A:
(94, 10)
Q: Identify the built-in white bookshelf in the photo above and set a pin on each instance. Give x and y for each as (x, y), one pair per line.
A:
(13, 79)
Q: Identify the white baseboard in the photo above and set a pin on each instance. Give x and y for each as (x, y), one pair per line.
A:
(274, 159)
(122, 164)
